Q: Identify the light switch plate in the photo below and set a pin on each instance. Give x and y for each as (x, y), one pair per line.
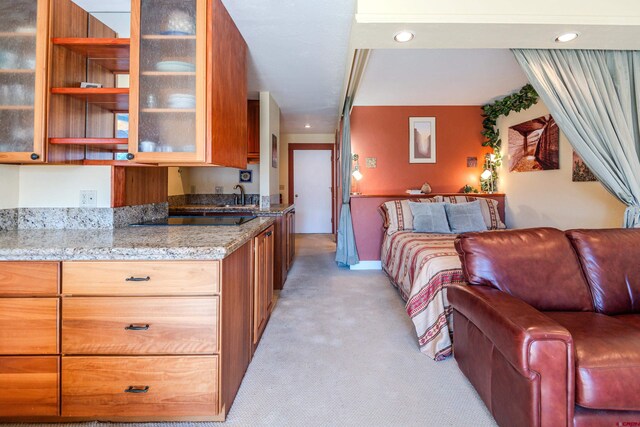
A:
(372, 162)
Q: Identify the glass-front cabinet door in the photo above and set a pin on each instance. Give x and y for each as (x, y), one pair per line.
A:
(168, 81)
(23, 58)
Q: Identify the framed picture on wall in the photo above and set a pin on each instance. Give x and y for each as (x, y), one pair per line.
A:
(274, 151)
(422, 139)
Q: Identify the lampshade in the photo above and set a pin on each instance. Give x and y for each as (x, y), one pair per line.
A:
(357, 175)
(486, 174)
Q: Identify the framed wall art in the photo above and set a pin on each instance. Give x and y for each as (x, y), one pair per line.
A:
(422, 139)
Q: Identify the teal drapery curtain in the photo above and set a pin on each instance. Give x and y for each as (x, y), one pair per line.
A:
(346, 252)
(594, 96)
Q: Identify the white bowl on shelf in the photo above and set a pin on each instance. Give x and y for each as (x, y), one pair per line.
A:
(147, 146)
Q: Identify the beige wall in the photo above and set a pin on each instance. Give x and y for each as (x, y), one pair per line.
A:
(269, 125)
(179, 181)
(205, 180)
(50, 186)
(550, 198)
(297, 138)
(9, 186)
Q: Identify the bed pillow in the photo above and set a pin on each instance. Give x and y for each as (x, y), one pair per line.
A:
(397, 215)
(429, 218)
(489, 208)
(465, 217)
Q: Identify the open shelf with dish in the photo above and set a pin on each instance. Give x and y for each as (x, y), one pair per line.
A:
(112, 99)
(110, 53)
(119, 144)
(85, 122)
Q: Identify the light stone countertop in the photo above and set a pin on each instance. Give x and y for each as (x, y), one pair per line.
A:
(274, 210)
(129, 243)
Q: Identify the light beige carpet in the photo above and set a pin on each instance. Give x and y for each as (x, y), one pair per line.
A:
(340, 350)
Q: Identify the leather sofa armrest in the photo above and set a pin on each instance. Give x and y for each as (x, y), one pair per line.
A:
(512, 325)
(536, 346)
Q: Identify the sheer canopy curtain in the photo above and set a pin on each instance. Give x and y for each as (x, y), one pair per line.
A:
(346, 252)
(594, 96)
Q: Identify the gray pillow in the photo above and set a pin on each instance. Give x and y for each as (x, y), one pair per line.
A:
(465, 217)
(429, 218)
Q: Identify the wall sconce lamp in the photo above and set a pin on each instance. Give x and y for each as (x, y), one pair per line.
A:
(488, 176)
(357, 175)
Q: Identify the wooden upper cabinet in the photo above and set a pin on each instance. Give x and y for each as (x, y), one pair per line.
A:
(23, 75)
(188, 84)
(253, 131)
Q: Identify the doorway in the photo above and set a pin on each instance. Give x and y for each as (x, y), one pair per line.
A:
(311, 187)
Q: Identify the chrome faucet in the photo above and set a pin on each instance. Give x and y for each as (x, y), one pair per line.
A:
(241, 193)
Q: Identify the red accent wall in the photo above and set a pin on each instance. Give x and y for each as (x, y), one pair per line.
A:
(383, 132)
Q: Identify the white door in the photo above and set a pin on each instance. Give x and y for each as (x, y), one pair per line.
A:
(312, 190)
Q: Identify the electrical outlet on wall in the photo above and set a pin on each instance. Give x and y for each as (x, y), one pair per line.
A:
(193, 189)
(88, 198)
(219, 189)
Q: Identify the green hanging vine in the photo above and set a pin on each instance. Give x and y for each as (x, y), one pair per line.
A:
(521, 100)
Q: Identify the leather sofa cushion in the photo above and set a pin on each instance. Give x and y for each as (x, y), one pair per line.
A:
(607, 360)
(609, 259)
(630, 319)
(538, 266)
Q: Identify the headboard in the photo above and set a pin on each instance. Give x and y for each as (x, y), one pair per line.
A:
(367, 222)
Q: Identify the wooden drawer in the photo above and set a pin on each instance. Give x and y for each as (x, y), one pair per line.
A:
(29, 386)
(141, 278)
(178, 325)
(28, 326)
(177, 386)
(28, 278)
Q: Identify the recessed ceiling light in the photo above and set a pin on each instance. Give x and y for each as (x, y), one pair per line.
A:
(307, 126)
(403, 36)
(566, 37)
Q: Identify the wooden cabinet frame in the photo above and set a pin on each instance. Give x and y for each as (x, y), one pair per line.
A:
(199, 156)
(40, 105)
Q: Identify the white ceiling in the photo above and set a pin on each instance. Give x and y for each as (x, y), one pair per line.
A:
(438, 77)
(298, 51)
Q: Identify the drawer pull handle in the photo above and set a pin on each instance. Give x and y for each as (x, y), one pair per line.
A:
(137, 327)
(138, 279)
(134, 389)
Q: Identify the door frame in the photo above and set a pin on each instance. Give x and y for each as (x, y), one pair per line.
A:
(322, 147)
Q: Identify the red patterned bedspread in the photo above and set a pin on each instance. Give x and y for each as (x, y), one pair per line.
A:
(421, 266)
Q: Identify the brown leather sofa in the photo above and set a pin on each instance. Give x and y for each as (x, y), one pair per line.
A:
(549, 330)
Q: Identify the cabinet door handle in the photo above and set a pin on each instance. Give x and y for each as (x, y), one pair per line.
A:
(269, 233)
(137, 279)
(137, 327)
(137, 389)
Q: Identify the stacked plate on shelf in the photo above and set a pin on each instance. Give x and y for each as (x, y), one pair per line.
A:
(175, 66)
(181, 101)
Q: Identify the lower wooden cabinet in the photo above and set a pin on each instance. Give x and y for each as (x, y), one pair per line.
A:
(139, 386)
(129, 340)
(291, 237)
(262, 282)
(145, 325)
(285, 229)
(28, 326)
(29, 351)
(29, 386)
